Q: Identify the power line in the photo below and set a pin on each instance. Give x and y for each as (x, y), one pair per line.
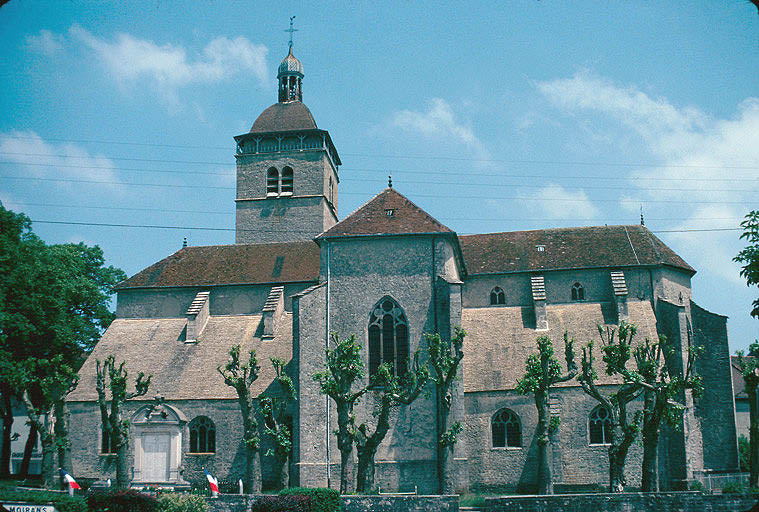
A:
(153, 226)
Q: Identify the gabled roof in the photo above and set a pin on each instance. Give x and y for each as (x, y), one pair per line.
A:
(388, 213)
(283, 117)
(564, 248)
(232, 264)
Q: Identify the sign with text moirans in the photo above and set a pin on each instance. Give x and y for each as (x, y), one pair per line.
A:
(26, 507)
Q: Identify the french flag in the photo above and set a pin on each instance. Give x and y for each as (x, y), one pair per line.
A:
(69, 480)
(212, 482)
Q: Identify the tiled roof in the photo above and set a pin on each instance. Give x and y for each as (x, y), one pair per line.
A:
(283, 117)
(739, 385)
(232, 264)
(183, 371)
(599, 246)
(499, 339)
(388, 213)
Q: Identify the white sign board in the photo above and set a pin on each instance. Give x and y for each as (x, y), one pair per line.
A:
(25, 507)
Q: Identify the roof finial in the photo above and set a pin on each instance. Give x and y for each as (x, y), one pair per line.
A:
(389, 182)
(291, 30)
(184, 243)
(642, 222)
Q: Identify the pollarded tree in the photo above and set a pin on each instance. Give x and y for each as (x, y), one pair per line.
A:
(617, 352)
(543, 371)
(445, 355)
(394, 391)
(343, 370)
(749, 256)
(115, 426)
(662, 384)
(241, 375)
(274, 410)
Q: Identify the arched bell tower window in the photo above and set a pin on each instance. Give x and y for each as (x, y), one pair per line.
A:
(388, 337)
(506, 429)
(578, 292)
(497, 296)
(599, 426)
(202, 435)
(272, 182)
(287, 181)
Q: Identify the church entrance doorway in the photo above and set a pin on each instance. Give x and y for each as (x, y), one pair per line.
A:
(156, 449)
(158, 443)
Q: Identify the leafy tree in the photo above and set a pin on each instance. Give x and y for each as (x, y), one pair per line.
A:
(393, 391)
(749, 256)
(53, 307)
(744, 453)
(241, 376)
(275, 416)
(115, 426)
(662, 384)
(749, 368)
(617, 352)
(543, 371)
(343, 370)
(445, 355)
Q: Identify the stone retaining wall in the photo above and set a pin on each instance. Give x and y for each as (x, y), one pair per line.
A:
(242, 503)
(624, 502)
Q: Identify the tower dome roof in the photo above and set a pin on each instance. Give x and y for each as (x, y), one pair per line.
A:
(290, 65)
(280, 117)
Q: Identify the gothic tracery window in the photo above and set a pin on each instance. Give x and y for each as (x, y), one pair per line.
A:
(599, 426)
(497, 296)
(578, 292)
(506, 429)
(202, 435)
(388, 337)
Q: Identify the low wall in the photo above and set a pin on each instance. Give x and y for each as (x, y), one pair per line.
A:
(624, 502)
(242, 503)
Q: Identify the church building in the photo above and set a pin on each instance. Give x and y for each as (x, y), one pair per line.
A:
(388, 273)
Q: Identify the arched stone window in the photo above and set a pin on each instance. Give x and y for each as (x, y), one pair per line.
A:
(497, 296)
(272, 182)
(287, 181)
(599, 426)
(202, 435)
(506, 429)
(388, 337)
(578, 292)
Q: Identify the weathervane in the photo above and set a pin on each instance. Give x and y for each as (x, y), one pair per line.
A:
(291, 30)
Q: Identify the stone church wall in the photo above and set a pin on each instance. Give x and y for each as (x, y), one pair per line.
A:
(575, 461)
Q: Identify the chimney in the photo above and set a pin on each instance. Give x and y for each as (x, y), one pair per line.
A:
(273, 309)
(539, 300)
(197, 316)
(620, 294)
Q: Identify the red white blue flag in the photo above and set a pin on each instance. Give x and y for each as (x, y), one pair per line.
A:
(69, 480)
(212, 482)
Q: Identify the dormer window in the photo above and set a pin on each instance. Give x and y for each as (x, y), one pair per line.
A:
(540, 248)
(389, 212)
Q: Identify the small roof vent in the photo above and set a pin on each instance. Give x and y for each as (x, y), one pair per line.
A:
(540, 248)
(389, 212)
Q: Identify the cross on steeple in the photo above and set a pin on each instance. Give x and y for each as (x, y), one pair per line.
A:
(291, 30)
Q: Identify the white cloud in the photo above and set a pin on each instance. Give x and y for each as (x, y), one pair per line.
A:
(439, 120)
(37, 157)
(169, 67)
(555, 201)
(706, 167)
(46, 42)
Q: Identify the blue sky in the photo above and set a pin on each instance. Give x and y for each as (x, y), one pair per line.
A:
(492, 117)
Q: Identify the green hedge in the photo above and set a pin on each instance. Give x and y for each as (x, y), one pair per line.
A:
(62, 502)
(322, 500)
(180, 502)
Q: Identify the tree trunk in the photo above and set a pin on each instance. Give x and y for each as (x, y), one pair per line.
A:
(48, 460)
(123, 477)
(62, 416)
(5, 455)
(365, 477)
(345, 445)
(616, 472)
(444, 452)
(31, 442)
(283, 464)
(753, 434)
(252, 471)
(345, 486)
(545, 481)
(654, 409)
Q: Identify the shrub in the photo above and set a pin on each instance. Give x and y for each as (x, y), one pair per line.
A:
(733, 488)
(322, 500)
(121, 500)
(696, 485)
(744, 453)
(62, 502)
(178, 502)
(282, 504)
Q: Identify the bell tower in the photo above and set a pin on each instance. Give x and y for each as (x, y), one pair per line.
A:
(287, 168)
